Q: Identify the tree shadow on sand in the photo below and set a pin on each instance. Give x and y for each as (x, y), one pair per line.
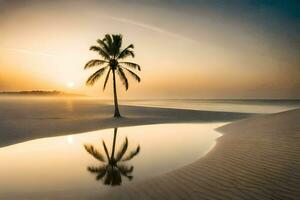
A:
(113, 167)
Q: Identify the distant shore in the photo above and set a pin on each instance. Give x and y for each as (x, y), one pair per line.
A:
(38, 93)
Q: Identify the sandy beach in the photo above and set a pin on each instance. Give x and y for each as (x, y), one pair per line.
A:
(256, 158)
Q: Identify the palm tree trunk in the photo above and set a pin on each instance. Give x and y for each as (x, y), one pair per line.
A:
(114, 144)
(117, 112)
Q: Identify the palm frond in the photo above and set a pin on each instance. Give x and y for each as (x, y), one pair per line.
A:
(117, 43)
(100, 171)
(134, 75)
(106, 79)
(107, 38)
(129, 177)
(131, 154)
(125, 171)
(95, 76)
(100, 51)
(94, 152)
(131, 65)
(123, 77)
(96, 170)
(122, 150)
(93, 63)
(126, 52)
(103, 45)
(105, 149)
(100, 176)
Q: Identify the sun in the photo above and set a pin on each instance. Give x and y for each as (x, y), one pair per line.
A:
(70, 139)
(70, 84)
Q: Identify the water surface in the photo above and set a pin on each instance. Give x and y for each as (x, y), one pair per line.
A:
(61, 167)
(226, 105)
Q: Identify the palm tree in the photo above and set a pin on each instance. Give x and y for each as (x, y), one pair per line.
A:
(113, 166)
(112, 53)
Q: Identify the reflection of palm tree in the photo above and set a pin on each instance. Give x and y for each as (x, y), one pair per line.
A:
(110, 49)
(112, 165)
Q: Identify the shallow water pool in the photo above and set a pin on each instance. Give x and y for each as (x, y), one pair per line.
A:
(78, 166)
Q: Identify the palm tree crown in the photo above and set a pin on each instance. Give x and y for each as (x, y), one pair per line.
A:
(112, 53)
(113, 166)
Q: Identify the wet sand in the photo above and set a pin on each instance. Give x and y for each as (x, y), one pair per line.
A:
(256, 158)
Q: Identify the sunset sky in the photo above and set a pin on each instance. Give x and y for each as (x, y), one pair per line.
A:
(187, 49)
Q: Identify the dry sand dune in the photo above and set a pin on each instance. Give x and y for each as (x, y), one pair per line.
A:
(256, 158)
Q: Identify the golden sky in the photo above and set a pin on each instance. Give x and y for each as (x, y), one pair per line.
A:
(186, 49)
